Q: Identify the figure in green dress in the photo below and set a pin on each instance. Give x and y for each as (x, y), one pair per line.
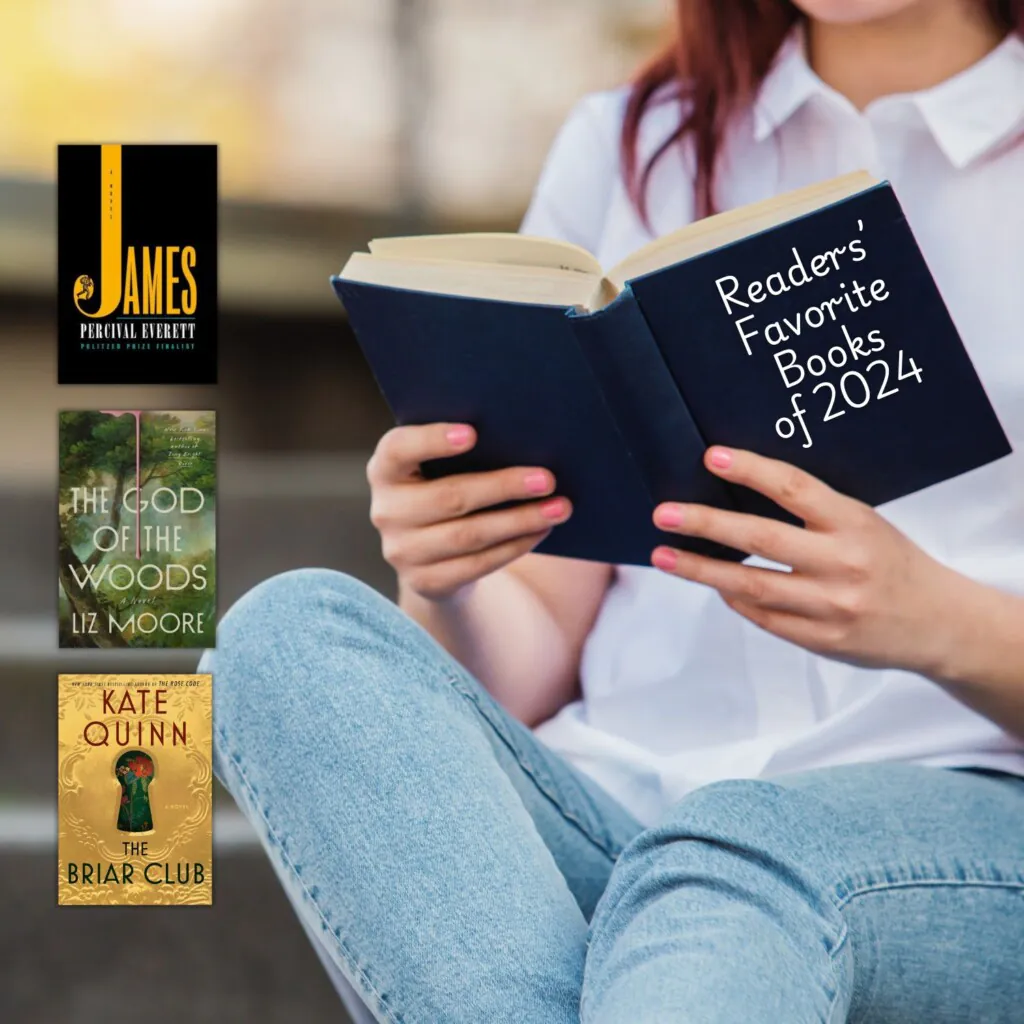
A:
(135, 771)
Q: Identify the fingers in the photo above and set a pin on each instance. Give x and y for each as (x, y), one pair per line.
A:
(401, 450)
(421, 503)
(470, 535)
(442, 534)
(796, 491)
(440, 579)
(756, 535)
(751, 585)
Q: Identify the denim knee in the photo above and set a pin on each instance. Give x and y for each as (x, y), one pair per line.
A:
(752, 839)
(736, 868)
(316, 641)
(285, 602)
(748, 816)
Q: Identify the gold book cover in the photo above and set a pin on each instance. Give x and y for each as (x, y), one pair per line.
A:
(134, 790)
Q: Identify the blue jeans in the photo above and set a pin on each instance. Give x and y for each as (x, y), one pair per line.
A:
(451, 869)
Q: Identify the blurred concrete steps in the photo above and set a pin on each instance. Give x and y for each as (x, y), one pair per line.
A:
(246, 959)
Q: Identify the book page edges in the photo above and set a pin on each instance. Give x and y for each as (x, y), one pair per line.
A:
(490, 247)
(501, 282)
(734, 225)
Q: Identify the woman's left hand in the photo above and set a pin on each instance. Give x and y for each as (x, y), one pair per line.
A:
(859, 590)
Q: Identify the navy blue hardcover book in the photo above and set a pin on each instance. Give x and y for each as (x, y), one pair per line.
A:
(806, 328)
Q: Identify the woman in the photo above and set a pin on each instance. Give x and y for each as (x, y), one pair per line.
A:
(779, 796)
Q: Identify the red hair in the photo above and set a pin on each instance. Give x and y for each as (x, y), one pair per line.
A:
(721, 53)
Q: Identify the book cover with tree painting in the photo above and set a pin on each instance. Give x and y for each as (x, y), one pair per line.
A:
(134, 789)
(137, 528)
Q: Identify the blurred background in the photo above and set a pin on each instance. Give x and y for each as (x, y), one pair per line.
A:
(337, 121)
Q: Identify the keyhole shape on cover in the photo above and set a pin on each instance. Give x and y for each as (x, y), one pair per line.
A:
(135, 772)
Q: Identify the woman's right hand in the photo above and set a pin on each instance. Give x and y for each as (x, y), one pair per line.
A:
(436, 534)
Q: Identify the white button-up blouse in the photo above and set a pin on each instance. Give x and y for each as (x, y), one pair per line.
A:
(678, 690)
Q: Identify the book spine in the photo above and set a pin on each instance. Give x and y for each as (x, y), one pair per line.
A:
(648, 407)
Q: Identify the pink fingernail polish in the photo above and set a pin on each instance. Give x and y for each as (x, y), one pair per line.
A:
(664, 558)
(553, 509)
(458, 437)
(670, 516)
(721, 457)
(537, 482)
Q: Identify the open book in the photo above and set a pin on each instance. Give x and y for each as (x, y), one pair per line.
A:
(805, 327)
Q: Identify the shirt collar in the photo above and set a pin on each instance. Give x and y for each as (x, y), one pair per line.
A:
(789, 84)
(971, 112)
(967, 114)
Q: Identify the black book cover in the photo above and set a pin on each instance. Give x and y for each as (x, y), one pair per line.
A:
(137, 264)
(856, 373)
